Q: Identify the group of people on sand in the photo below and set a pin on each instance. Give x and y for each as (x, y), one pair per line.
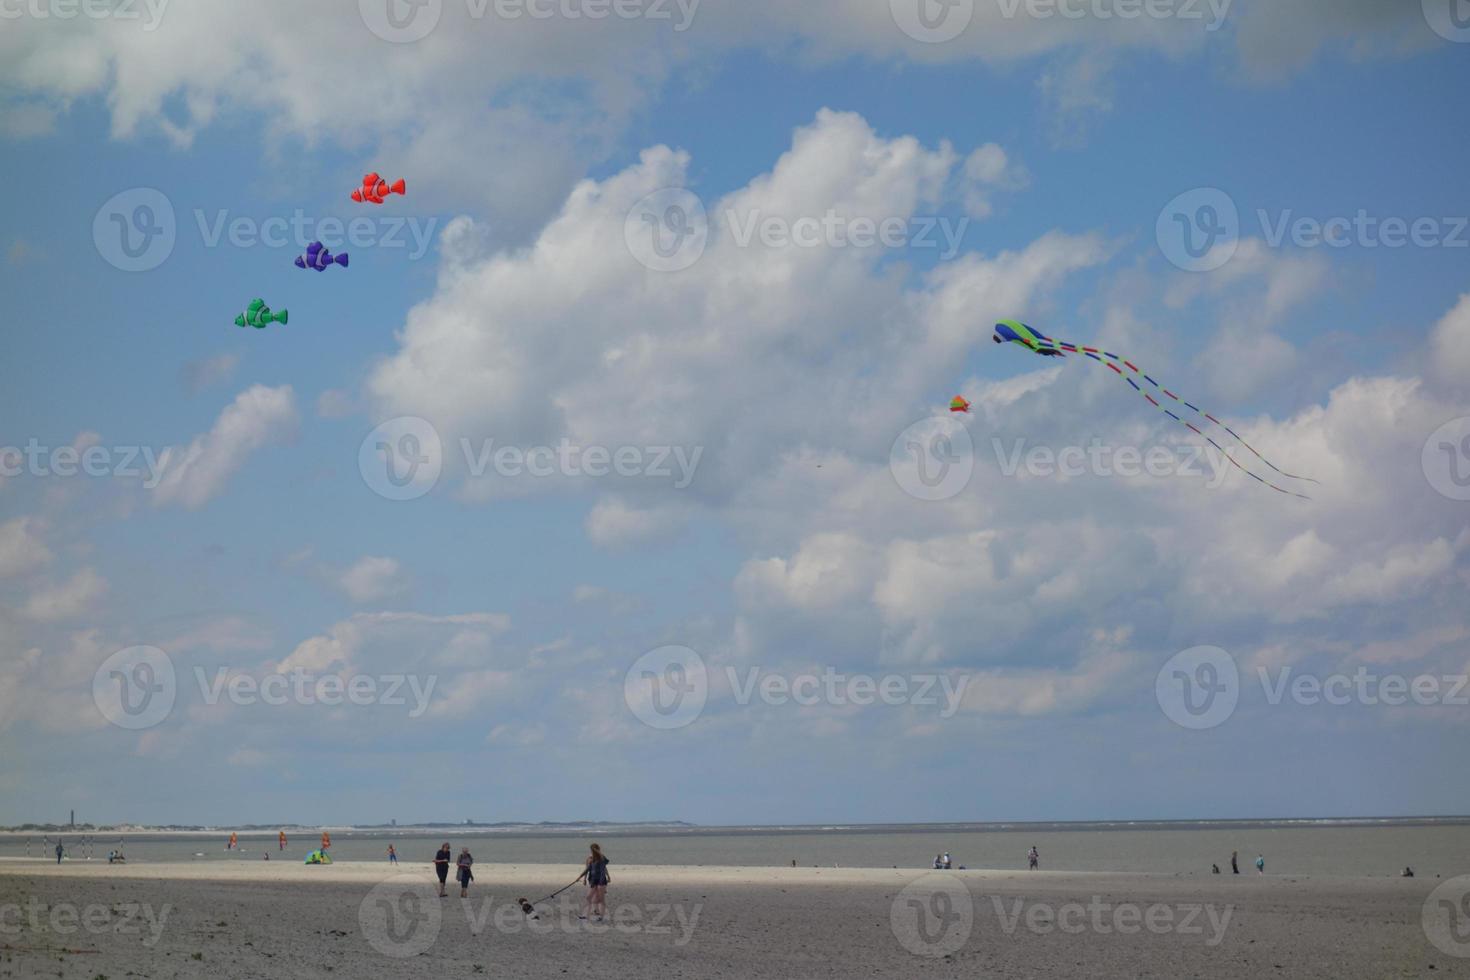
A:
(594, 872)
(1235, 864)
(943, 862)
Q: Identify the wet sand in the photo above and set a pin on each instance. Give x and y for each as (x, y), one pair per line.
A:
(284, 919)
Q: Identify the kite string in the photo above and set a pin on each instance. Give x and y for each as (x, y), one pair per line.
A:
(1093, 353)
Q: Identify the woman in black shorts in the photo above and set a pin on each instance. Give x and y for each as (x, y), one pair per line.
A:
(597, 881)
(441, 866)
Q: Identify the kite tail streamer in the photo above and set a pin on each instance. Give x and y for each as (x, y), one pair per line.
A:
(1113, 360)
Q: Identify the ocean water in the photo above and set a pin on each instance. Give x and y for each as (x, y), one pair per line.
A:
(1290, 847)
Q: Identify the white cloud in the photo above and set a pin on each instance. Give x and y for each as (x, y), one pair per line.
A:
(198, 375)
(750, 355)
(555, 93)
(22, 548)
(1048, 691)
(1376, 543)
(828, 570)
(1077, 92)
(613, 523)
(1276, 38)
(400, 641)
(987, 170)
(195, 474)
(372, 579)
(50, 684)
(1450, 346)
(69, 600)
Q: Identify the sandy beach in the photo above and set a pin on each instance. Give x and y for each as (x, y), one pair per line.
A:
(280, 919)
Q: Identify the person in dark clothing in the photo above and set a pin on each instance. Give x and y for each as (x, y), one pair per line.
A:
(59, 851)
(1235, 862)
(441, 867)
(597, 882)
(465, 875)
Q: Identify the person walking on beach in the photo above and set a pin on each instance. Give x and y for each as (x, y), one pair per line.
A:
(597, 882)
(1235, 862)
(441, 866)
(1033, 858)
(1260, 865)
(392, 855)
(59, 851)
(465, 874)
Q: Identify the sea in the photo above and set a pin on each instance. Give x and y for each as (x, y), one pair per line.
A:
(1355, 847)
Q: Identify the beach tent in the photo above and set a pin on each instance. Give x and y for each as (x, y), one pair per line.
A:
(318, 857)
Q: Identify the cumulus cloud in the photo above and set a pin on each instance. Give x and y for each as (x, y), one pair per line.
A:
(1376, 543)
(987, 170)
(370, 641)
(22, 546)
(1450, 346)
(67, 600)
(1275, 38)
(588, 77)
(372, 579)
(201, 374)
(614, 523)
(49, 685)
(1077, 93)
(197, 473)
(755, 351)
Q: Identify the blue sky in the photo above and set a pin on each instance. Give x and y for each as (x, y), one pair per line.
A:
(525, 312)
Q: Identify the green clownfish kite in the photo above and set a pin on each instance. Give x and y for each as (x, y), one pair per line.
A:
(259, 316)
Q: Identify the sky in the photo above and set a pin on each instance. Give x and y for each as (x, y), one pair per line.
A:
(614, 477)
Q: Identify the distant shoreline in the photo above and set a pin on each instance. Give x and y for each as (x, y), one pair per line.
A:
(680, 828)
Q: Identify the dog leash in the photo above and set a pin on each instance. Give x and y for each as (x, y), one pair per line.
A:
(528, 907)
